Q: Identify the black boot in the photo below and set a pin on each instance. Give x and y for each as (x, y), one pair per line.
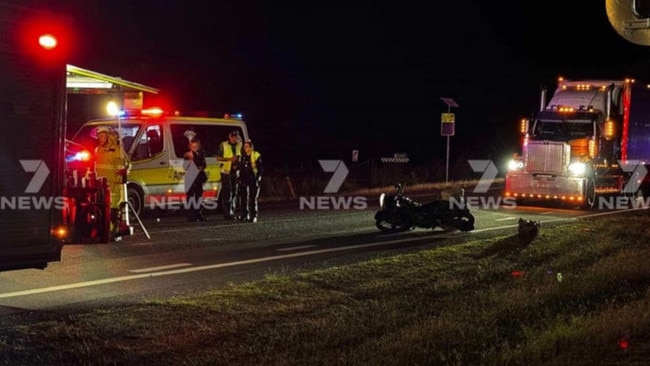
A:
(116, 218)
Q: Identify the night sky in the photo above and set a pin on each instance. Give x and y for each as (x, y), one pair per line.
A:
(316, 79)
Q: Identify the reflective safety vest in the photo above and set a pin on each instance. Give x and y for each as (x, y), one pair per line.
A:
(109, 161)
(227, 153)
(254, 156)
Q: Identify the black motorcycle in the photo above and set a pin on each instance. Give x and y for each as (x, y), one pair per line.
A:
(399, 213)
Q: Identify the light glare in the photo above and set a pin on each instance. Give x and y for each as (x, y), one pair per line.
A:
(47, 41)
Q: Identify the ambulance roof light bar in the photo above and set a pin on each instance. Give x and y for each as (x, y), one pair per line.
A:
(238, 116)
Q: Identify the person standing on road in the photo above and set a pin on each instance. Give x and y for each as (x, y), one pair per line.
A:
(112, 163)
(194, 179)
(229, 154)
(250, 175)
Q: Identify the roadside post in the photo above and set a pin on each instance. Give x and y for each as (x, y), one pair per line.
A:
(448, 128)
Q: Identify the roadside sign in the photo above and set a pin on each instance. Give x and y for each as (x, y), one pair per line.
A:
(448, 118)
(447, 125)
(396, 158)
(355, 155)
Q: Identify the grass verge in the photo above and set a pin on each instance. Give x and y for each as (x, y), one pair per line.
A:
(577, 294)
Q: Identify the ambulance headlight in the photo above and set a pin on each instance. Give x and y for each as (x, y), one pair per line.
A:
(577, 168)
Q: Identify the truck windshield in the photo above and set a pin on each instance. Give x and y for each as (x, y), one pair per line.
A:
(563, 130)
(562, 127)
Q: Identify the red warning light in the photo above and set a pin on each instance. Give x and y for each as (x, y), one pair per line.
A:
(47, 38)
(623, 343)
(47, 41)
(518, 274)
(153, 111)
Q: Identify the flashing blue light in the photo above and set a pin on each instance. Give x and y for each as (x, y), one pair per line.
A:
(80, 156)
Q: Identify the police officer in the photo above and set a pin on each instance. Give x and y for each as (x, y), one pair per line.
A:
(112, 163)
(228, 154)
(250, 175)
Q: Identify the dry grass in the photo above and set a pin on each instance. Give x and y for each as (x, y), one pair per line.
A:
(575, 295)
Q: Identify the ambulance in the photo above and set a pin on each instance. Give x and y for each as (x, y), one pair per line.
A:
(155, 142)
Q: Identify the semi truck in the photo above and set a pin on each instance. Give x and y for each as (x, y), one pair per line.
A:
(32, 101)
(588, 146)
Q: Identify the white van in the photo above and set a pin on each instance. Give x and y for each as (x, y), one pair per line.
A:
(156, 145)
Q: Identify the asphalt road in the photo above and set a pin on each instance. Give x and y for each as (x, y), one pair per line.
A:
(182, 258)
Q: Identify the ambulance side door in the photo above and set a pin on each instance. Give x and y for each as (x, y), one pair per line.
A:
(150, 165)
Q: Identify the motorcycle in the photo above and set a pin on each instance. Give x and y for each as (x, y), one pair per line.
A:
(399, 213)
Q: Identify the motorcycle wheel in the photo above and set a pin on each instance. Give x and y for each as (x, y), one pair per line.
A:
(390, 227)
(464, 221)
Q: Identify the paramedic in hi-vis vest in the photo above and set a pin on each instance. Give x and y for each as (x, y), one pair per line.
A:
(228, 155)
(250, 175)
(111, 163)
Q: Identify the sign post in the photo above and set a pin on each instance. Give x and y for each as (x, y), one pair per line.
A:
(448, 128)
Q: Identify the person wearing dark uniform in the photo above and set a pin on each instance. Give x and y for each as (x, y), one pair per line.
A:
(194, 182)
(250, 175)
(228, 155)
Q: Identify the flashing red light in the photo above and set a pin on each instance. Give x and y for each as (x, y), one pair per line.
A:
(84, 155)
(47, 41)
(153, 111)
(46, 37)
(623, 343)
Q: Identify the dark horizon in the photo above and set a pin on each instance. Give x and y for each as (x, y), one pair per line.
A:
(317, 80)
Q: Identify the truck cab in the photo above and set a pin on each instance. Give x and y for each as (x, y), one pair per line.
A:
(572, 149)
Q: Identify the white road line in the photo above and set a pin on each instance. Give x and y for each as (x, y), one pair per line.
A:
(197, 268)
(296, 248)
(160, 268)
(613, 212)
(252, 261)
(507, 218)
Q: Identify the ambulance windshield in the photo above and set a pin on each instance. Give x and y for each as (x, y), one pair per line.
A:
(87, 135)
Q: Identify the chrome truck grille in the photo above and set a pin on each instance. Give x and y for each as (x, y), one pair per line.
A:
(546, 157)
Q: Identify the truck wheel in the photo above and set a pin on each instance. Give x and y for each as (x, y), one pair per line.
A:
(590, 194)
(135, 199)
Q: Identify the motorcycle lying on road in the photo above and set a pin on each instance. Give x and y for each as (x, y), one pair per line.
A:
(399, 213)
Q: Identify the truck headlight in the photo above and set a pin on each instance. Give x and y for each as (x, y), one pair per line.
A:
(515, 165)
(577, 168)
